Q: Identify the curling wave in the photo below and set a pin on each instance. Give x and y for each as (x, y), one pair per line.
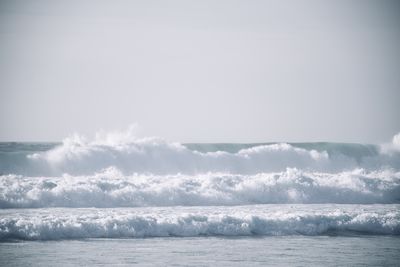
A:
(113, 189)
(54, 224)
(76, 156)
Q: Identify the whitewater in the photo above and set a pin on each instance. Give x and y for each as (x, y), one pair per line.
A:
(119, 186)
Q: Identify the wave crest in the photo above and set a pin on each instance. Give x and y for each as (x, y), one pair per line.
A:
(57, 224)
(78, 156)
(113, 189)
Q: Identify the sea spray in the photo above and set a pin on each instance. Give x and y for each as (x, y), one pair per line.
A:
(55, 224)
(120, 186)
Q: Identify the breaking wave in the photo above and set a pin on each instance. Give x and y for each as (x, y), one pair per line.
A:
(77, 156)
(119, 186)
(113, 189)
(55, 224)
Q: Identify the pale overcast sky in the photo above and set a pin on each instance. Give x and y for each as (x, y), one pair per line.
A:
(201, 71)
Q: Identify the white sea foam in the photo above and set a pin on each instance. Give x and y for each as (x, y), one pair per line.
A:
(152, 187)
(160, 157)
(113, 189)
(156, 156)
(78, 156)
(47, 224)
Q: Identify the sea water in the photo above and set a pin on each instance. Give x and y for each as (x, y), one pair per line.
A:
(121, 200)
(293, 250)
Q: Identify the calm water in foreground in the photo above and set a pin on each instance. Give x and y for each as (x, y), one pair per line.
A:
(207, 251)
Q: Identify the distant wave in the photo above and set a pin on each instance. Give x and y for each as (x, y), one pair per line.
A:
(55, 224)
(113, 189)
(76, 156)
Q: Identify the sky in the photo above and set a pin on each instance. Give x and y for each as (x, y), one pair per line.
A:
(201, 71)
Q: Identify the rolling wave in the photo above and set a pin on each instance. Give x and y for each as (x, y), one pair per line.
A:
(113, 189)
(77, 156)
(118, 186)
(55, 224)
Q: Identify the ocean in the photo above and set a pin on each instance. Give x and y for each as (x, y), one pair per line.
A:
(121, 200)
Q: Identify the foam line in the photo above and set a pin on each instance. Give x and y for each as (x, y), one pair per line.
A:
(55, 224)
(111, 188)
